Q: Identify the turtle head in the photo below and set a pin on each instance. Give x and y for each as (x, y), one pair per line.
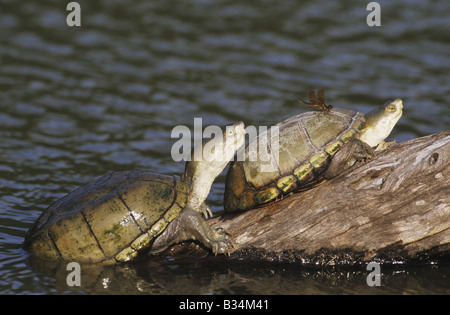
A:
(380, 122)
(209, 159)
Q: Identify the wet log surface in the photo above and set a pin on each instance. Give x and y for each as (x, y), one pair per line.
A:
(395, 207)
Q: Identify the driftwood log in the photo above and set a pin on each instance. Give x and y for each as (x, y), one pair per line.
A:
(395, 207)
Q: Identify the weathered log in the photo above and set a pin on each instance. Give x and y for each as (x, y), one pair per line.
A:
(395, 207)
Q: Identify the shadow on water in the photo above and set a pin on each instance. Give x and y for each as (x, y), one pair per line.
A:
(218, 275)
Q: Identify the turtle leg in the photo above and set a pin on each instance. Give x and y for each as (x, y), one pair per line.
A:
(353, 151)
(189, 225)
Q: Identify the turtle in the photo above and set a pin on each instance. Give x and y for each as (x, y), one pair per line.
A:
(127, 215)
(304, 151)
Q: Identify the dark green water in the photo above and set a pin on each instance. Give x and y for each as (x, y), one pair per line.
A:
(77, 103)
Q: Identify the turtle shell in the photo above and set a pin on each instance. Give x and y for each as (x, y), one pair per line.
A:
(114, 218)
(293, 158)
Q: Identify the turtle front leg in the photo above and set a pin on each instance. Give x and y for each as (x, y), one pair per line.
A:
(353, 151)
(189, 225)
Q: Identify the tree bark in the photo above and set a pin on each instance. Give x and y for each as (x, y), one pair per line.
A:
(395, 207)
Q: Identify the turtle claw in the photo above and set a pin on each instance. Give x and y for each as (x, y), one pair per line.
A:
(222, 243)
(195, 228)
(206, 211)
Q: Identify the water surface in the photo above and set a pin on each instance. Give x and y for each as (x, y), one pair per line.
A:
(77, 103)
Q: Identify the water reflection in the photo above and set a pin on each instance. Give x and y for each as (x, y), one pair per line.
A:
(218, 276)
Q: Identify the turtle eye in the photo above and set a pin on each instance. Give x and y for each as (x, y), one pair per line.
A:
(391, 108)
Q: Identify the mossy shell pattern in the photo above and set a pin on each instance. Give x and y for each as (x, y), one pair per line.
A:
(294, 158)
(112, 219)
